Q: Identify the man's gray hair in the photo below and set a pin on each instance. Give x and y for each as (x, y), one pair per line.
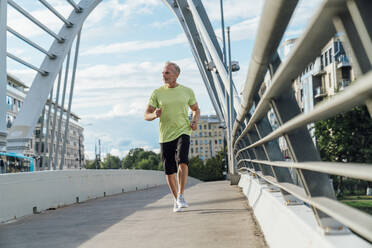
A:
(175, 66)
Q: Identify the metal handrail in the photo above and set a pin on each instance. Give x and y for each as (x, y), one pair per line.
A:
(359, 221)
(264, 47)
(321, 26)
(352, 170)
(352, 96)
(321, 29)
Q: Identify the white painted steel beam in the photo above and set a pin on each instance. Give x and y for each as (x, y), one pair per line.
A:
(29, 114)
(34, 20)
(211, 48)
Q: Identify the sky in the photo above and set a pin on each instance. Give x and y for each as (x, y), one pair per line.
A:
(124, 45)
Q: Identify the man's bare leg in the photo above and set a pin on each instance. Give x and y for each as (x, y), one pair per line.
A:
(172, 183)
(183, 172)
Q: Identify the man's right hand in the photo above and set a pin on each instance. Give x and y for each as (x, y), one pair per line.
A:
(158, 112)
(152, 113)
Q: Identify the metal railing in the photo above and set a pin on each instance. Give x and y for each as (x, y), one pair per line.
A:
(255, 142)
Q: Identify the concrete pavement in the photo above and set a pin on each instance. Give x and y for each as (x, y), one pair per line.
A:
(218, 216)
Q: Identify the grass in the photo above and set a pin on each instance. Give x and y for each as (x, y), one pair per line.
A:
(363, 202)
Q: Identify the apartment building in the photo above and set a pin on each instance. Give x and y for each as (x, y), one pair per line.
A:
(330, 73)
(37, 148)
(208, 139)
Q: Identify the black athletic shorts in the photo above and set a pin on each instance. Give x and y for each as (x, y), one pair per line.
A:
(175, 152)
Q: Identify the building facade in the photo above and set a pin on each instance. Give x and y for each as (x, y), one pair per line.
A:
(208, 139)
(330, 73)
(37, 148)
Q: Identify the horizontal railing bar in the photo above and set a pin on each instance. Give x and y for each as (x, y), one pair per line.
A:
(28, 41)
(34, 20)
(270, 32)
(352, 170)
(77, 8)
(357, 220)
(305, 51)
(56, 13)
(355, 94)
(42, 72)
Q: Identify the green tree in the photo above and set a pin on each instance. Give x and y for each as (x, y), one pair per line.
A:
(111, 162)
(138, 158)
(129, 161)
(211, 170)
(346, 137)
(90, 164)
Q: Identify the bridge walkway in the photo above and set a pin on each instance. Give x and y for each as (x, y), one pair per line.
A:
(218, 216)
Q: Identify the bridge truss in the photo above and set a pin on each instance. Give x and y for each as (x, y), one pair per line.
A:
(252, 142)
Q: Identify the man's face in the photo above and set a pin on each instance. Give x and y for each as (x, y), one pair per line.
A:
(169, 74)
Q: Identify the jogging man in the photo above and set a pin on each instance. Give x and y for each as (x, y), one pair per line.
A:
(170, 103)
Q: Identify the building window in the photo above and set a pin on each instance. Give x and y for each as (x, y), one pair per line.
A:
(220, 141)
(205, 142)
(201, 149)
(191, 142)
(196, 150)
(215, 141)
(9, 102)
(200, 134)
(205, 126)
(192, 150)
(330, 55)
(326, 58)
(200, 127)
(9, 121)
(209, 126)
(196, 142)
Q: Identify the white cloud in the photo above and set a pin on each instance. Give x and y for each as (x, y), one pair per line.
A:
(243, 30)
(120, 110)
(233, 9)
(118, 12)
(164, 23)
(119, 153)
(132, 46)
(124, 89)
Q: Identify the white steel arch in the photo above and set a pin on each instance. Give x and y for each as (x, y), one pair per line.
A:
(42, 84)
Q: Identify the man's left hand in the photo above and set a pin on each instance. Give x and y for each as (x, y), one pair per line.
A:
(193, 126)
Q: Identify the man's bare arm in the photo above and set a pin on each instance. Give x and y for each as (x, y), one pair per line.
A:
(195, 116)
(152, 113)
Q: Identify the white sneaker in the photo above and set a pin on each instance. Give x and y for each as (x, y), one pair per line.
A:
(176, 207)
(181, 202)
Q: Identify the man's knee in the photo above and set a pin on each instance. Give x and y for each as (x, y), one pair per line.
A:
(182, 166)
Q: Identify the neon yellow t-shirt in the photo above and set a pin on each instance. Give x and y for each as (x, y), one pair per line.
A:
(174, 103)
